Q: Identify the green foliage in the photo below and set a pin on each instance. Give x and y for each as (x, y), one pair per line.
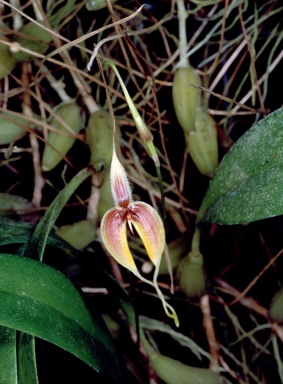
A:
(37, 241)
(247, 185)
(39, 301)
(235, 50)
(8, 371)
(26, 359)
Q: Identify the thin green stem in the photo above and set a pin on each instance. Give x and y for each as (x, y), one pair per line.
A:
(196, 241)
(144, 133)
(182, 17)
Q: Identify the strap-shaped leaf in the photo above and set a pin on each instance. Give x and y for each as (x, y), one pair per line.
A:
(36, 245)
(27, 368)
(8, 357)
(38, 300)
(14, 231)
(248, 184)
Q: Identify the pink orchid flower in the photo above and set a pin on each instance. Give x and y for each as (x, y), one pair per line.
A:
(138, 216)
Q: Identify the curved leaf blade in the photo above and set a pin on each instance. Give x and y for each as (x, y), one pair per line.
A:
(253, 199)
(247, 184)
(27, 368)
(8, 358)
(14, 231)
(38, 300)
(37, 242)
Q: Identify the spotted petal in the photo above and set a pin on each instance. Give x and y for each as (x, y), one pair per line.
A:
(149, 227)
(114, 236)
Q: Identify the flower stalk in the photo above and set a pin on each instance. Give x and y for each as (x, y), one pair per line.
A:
(144, 133)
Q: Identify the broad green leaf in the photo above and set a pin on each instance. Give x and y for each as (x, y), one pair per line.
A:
(38, 300)
(27, 369)
(253, 199)
(247, 185)
(8, 358)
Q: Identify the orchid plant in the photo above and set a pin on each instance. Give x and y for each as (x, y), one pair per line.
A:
(137, 216)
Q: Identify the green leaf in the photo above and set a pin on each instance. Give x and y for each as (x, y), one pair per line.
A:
(14, 231)
(122, 298)
(38, 300)
(36, 245)
(247, 185)
(8, 359)
(27, 369)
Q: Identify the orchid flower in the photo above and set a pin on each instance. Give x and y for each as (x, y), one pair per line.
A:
(138, 216)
